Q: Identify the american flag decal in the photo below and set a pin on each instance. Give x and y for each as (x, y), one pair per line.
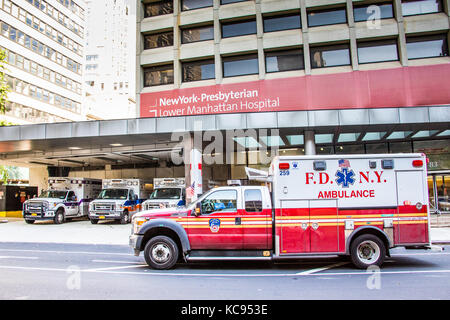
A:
(344, 163)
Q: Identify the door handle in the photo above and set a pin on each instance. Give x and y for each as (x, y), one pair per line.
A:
(237, 221)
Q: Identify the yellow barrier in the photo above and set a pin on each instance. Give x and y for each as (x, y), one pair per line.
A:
(11, 214)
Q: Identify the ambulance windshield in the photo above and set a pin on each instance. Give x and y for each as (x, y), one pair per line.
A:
(53, 194)
(113, 194)
(166, 193)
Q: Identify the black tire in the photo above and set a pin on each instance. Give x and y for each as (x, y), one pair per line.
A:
(125, 218)
(367, 250)
(59, 217)
(161, 253)
(94, 221)
(29, 221)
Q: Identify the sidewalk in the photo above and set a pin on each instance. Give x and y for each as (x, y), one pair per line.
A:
(83, 232)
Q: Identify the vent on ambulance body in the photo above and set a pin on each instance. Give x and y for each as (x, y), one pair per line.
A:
(387, 164)
(320, 165)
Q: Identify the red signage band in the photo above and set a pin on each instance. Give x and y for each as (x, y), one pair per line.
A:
(399, 87)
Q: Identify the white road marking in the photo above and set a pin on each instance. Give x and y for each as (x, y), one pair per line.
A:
(69, 252)
(114, 268)
(116, 261)
(15, 257)
(322, 268)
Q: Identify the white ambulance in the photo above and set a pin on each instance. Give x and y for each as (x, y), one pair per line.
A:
(65, 198)
(167, 193)
(119, 200)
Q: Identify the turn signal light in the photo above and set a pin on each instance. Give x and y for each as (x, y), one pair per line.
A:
(417, 163)
(284, 166)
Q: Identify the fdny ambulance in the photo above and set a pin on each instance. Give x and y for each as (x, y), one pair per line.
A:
(119, 200)
(351, 205)
(65, 198)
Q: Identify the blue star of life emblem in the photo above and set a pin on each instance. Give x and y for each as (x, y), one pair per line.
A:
(345, 177)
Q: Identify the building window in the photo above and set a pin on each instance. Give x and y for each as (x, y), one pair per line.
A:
(231, 1)
(282, 23)
(377, 51)
(195, 4)
(374, 11)
(235, 29)
(158, 8)
(155, 76)
(427, 46)
(198, 70)
(240, 65)
(284, 60)
(330, 56)
(326, 17)
(415, 7)
(159, 40)
(197, 34)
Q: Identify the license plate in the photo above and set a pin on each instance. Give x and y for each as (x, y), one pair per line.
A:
(101, 217)
(34, 214)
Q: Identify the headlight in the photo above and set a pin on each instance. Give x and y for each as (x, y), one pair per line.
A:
(137, 223)
(45, 205)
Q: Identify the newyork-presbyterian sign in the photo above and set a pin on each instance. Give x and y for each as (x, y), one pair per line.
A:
(399, 87)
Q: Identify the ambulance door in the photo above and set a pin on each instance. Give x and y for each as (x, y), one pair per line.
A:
(412, 207)
(256, 219)
(323, 224)
(292, 223)
(219, 225)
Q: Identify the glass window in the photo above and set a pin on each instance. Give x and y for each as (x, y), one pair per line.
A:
(224, 201)
(284, 60)
(159, 40)
(158, 8)
(282, 23)
(198, 70)
(326, 17)
(377, 148)
(253, 200)
(235, 29)
(414, 7)
(195, 4)
(155, 76)
(350, 149)
(377, 51)
(197, 34)
(427, 46)
(379, 11)
(437, 151)
(330, 56)
(240, 65)
(231, 1)
(400, 147)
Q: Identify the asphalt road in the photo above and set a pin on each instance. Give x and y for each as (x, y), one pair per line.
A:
(72, 271)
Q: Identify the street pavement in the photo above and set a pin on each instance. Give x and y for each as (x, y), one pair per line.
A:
(106, 272)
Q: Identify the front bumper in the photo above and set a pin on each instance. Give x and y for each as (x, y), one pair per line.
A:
(49, 215)
(112, 215)
(135, 243)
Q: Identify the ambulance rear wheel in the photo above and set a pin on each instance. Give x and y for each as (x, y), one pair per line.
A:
(161, 253)
(367, 250)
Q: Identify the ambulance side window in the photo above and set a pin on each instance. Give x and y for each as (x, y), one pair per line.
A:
(223, 200)
(253, 200)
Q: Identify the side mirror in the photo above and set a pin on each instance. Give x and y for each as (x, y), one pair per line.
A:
(198, 209)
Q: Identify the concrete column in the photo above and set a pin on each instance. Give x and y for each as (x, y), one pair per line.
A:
(176, 44)
(352, 36)
(139, 77)
(259, 35)
(217, 38)
(403, 55)
(39, 178)
(310, 143)
(305, 37)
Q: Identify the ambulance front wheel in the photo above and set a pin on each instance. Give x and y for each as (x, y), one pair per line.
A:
(161, 253)
(59, 216)
(367, 250)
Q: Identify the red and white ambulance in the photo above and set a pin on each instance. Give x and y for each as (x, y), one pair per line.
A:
(354, 205)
